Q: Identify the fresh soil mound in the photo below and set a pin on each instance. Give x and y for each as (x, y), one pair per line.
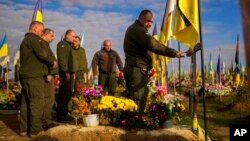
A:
(108, 133)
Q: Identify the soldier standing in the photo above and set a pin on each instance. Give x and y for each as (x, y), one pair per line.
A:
(32, 72)
(49, 88)
(65, 89)
(137, 44)
(79, 65)
(106, 60)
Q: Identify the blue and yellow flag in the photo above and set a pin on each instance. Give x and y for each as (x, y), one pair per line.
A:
(166, 27)
(186, 24)
(218, 69)
(4, 46)
(37, 15)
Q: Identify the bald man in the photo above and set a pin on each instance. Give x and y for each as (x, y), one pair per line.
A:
(106, 60)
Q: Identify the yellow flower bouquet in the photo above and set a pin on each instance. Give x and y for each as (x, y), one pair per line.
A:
(113, 108)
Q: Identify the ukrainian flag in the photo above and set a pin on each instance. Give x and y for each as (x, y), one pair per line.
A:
(37, 15)
(4, 46)
(186, 25)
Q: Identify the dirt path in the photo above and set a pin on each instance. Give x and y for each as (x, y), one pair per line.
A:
(9, 128)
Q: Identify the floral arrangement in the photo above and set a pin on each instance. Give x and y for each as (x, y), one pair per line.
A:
(91, 93)
(162, 106)
(216, 90)
(85, 101)
(113, 104)
(113, 108)
(11, 99)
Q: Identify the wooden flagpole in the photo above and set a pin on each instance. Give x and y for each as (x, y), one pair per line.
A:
(179, 49)
(7, 75)
(202, 72)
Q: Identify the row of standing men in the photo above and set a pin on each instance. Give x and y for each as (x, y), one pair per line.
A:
(37, 64)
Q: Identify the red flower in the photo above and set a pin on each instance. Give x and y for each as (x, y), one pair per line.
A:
(124, 122)
(120, 74)
(161, 91)
(79, 88)
(56, 82)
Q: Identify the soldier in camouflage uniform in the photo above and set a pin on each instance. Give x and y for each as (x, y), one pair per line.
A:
(106, 60)
(137, 44)
(65, 90)
(33, 55)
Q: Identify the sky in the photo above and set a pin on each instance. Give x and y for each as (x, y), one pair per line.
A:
(108, 19)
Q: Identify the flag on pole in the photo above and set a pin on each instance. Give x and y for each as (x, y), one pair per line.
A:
(223, 67)
(186, 24)
(210, 64)
(237, 53)
(82, 40)
(166, 25)
(155, 34)
(223, 70)
(5, 61)
(4, 46)
(16, 58)
(237, 67)
(218, 70)
(237, 78)
(242, 71)
(201, 133)
(37, 15)
(211, 69)
(155, 56)
(165, 36)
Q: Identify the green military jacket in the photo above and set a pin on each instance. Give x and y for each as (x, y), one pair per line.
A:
(138, 42)
(63, 52)
(48, 67)
(32, 57)
(78, 60)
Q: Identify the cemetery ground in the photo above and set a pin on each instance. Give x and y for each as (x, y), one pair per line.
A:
(221, 111)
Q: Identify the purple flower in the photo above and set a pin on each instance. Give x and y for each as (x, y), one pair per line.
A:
(97, 92)
(152, 107)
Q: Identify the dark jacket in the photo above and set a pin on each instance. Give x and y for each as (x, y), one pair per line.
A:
(138, 42)
(63, 52)
(49, 68)
(78, 60)
(32, 56)
(106, 61)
